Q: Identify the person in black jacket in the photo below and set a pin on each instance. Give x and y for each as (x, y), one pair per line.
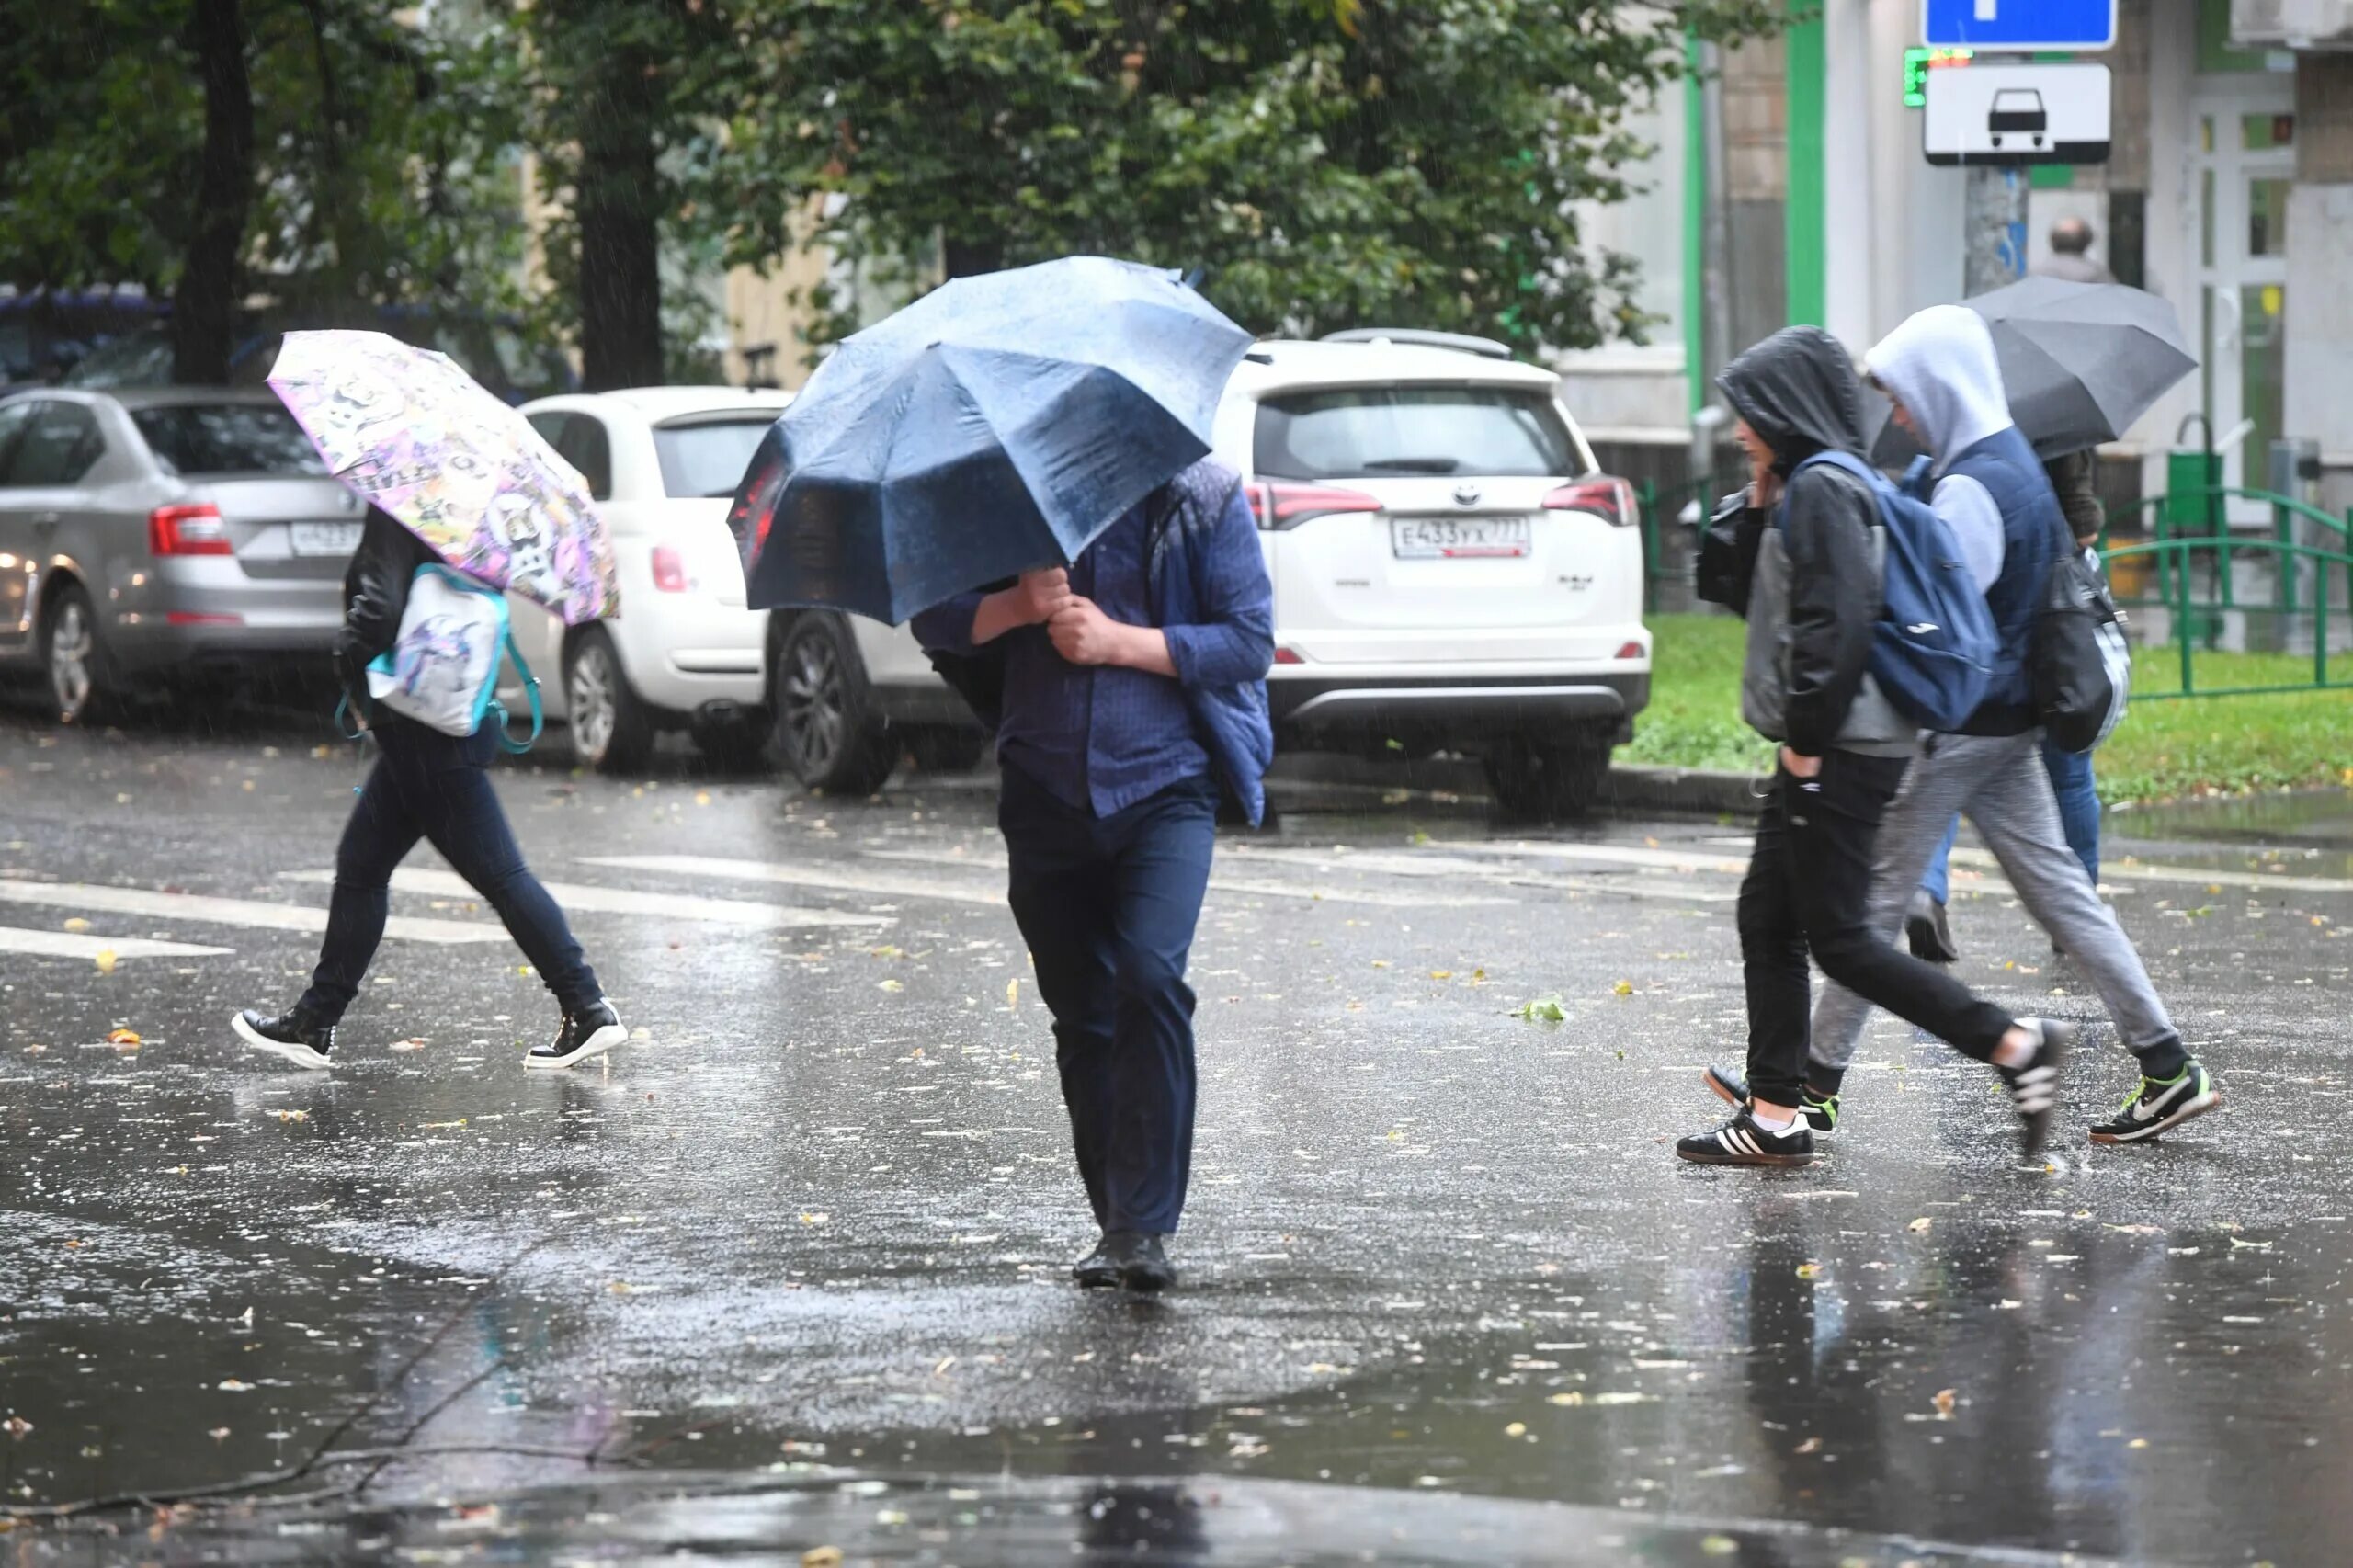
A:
(1812, 602)
(432, 786)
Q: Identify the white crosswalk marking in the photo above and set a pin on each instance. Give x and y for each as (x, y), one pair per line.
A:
(75, 945)
(1261, 886)
(1426, 863)
(839, 879)
(952, 889)
(626, 901)
(92, 898)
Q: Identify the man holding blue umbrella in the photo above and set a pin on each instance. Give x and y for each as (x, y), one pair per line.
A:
(1049, 425)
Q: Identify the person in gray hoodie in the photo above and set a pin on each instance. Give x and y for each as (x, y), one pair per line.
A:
(1812, 600)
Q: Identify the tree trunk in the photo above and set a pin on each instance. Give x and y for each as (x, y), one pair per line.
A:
(620, 253)
(204, 307)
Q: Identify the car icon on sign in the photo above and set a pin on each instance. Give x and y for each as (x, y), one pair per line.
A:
(2018, 111)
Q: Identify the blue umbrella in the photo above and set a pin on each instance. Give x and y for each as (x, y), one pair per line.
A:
(998, 423)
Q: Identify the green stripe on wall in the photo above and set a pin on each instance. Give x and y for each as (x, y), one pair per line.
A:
(1695, 231)
(1807, 259)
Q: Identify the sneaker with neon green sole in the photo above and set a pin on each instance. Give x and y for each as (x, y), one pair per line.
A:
(2158, 1104)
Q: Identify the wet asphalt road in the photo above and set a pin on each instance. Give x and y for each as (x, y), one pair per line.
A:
(788, 1272)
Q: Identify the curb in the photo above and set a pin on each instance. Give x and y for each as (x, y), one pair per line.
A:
(1705, 791)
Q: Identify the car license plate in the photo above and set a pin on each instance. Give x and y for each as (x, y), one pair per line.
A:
(1458, 538)
(324, 538)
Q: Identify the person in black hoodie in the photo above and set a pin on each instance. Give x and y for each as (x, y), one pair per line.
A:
(1812, 600)
(432, 786)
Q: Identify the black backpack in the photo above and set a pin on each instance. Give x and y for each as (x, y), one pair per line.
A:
(2083, 666)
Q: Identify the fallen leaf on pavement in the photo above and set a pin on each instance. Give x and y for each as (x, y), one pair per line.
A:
(1013, 994)
(1943, 1402)
(821, 1557)
(1921, 1226)
(1543, 1010)
(123, 1036)
(104, 958)
(1623, 988)
(77, 924)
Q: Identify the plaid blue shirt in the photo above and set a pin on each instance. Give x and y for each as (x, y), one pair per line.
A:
(1099, 737)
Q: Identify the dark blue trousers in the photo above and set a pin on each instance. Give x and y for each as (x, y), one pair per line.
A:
(437, 787)
(1107, 906)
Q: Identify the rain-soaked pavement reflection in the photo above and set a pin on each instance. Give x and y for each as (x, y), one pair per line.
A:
(788, 1272)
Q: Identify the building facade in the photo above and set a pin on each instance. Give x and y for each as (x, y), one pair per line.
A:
(2229, 192)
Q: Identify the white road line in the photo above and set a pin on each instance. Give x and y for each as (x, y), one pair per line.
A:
(1420, 863)
(73, 945)
(1260, 887)
(93, 898)
(839, 879)
(2118, 871)
(625, 900)
(1736, 865)
(950, 890)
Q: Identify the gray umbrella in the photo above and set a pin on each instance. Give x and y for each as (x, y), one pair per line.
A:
(2081, 362)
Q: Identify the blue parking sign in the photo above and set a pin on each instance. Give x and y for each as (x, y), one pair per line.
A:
(2024, 26)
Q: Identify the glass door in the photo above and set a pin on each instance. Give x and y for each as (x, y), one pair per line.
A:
(2243, 168)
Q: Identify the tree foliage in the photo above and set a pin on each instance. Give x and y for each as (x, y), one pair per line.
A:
(1327, 161)
(382, 166)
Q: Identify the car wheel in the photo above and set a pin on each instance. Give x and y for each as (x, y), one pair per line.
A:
(943, 748)
(611, 732)
(827, 728)
(73, 657)
(1546, 778)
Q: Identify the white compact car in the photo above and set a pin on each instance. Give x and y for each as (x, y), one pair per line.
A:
(1450, 574)
(683, 652)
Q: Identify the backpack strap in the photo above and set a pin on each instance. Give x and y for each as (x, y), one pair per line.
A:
(507, 743)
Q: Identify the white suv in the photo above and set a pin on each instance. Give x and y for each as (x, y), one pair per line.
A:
(1450, 574)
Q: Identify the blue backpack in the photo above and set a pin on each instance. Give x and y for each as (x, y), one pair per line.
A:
(1933, 649)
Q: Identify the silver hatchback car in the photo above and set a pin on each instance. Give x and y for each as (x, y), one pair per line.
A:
(152, 535)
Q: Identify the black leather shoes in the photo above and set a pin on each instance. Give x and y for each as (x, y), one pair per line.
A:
(1099, 1270)
(1925, 930)
(1145, 1265)
(1128, 1258)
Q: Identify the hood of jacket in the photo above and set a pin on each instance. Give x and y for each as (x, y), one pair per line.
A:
(1797, 390)
(1940, 365)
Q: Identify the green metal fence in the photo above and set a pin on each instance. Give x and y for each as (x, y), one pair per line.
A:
(2177, 575)
(2201, 515)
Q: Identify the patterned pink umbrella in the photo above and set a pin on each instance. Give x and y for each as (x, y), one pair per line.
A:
(409, 431)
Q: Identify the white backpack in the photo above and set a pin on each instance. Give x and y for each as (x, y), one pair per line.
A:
(442, 670)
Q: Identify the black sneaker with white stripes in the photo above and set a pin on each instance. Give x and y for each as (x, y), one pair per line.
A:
(2158, 1104)
(295, 1036)
(1820, 1112)
(592, 1031)
(1741, 1141)
(2034, 1088)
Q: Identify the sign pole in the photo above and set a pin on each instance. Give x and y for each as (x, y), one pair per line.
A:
(1995, 223)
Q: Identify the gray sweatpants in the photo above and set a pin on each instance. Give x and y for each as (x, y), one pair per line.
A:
(1999, 783)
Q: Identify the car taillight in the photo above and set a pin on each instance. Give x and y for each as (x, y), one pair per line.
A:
(669, 571)
(1609, 499)
(1288, 656)
(1287, 506)
(188, 530)
(1630, 651)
